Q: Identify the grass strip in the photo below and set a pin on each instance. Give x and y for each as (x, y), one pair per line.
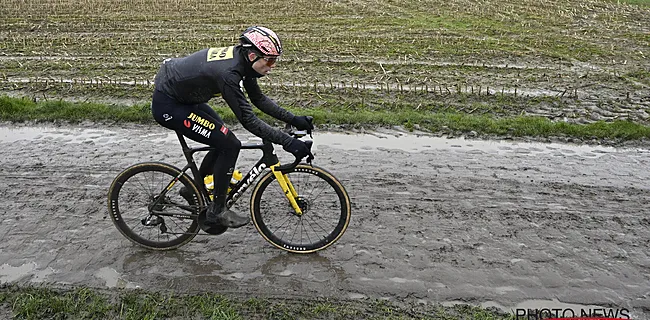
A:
(24, 109)
(44, 302)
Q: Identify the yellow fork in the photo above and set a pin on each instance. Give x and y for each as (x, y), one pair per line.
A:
(287, 188)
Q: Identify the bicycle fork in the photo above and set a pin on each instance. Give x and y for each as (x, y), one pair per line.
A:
(287, 188)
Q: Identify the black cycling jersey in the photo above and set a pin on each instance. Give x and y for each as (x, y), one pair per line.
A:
(197, 78)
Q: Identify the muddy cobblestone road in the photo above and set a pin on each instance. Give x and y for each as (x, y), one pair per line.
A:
(434, 220)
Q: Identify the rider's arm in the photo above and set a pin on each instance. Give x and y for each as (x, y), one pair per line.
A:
(234, 97)
(262, 102)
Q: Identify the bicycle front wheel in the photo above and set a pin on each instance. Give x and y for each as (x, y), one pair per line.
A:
(324, 202)
(149, 215)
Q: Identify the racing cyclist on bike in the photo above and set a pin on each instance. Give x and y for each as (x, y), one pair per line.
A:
(183, 86)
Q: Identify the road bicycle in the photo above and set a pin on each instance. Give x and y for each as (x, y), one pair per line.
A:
(298, 207)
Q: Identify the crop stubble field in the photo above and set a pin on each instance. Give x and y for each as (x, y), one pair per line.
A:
(571, 61)
(576, 61)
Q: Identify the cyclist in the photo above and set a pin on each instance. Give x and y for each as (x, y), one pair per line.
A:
(183, 86)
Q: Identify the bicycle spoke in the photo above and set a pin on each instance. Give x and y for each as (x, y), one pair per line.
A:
(306, 232)
(149, 184)
(325, 211)
(306, 220)
(320, 221)
(294, 232)
(138, 192)
(286, 220)
(315, 222)
(170, 229)
(314, 197)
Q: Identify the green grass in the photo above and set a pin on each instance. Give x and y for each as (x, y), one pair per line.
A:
(635, 2)
(13, 109)
(43, 302)
(23, 109)
(34, 303)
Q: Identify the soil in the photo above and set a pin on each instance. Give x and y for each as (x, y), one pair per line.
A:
(435, 220)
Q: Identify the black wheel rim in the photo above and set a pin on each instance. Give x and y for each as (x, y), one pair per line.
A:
(321, 223)
(139, 192)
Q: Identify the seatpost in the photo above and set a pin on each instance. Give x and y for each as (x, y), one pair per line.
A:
(187, 152)
(183, 143)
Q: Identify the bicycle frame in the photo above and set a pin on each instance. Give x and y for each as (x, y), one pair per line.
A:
(268, 160)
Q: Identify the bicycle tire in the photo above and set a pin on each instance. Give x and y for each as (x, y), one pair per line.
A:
(121, 203)
(268, 198)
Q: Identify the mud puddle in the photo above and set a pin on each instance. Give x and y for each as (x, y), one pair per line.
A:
(482, 222)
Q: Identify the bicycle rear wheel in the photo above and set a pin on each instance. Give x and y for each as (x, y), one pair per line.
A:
(323, 200)
(147, 219)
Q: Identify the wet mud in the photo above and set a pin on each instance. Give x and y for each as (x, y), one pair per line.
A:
(435, 220)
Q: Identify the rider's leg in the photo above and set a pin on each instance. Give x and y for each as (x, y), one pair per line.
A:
(221, 163)
(170, 114)
(218, 213)
(198, 122)
(207, 165)
(192, 120)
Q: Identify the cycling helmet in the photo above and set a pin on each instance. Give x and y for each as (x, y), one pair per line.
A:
(261, 39)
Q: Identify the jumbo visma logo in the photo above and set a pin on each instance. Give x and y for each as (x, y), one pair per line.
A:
(204, 122)
(200, 125)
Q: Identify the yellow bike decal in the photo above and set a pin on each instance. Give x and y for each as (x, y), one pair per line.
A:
(287, 188)
(223, 53)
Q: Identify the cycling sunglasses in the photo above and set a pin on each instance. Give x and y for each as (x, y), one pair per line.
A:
(270, 61)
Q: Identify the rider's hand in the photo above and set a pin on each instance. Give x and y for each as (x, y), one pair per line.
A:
(302, 123)
(298, 148)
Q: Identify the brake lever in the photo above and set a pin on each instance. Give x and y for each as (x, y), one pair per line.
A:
(310, 156)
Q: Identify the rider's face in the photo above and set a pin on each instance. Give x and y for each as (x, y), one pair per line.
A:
(263, 65)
